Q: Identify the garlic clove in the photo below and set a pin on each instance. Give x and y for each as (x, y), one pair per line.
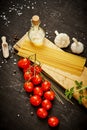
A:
(77, 47)
(5, 49)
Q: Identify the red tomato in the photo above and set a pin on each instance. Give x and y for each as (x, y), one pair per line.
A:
(46, 104)
(50, 95)
(28, 75)
(35, 100)
(28, 86)
(46, 85)
(42, 113)
(36, 68)
(38, 91)
(53, 121)
(37, 79)
(23, 63)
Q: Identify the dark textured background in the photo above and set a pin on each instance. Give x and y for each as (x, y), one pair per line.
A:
(68, 16)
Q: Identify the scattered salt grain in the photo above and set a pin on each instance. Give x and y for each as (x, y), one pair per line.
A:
(4, 17)
(10, 11)
(14, 5)
(49, 37)
(44, 25)
(15, 59)
(32, 7)
(11, 56)
(21, 7)
(20, 13)
(14, 71)
(10, 46)
(24, 5)
(45, 2)
(8, 21)
(0, 66)
(14, 63)
(32, 3)
(35, 2)
(28, 7)
(46, 32)
(14, 74)
(2, 62)
(46, 35)
(15, 9)
(32, 113)
(5, 61)
(84, 38)
(18, 115)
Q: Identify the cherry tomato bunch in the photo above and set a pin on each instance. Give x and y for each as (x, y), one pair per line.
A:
(42, 95)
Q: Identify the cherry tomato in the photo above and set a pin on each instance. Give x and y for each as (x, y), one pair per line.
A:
(28, 75)
(28, 86)
(36, 68)
(50, 95)
(35, 100)
(42, 113)
(53, 121)
(46, 85)
(37, 79)
(23, 63)
(38, 91)
(46, 104)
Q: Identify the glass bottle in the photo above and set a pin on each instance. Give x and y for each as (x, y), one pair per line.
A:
(36, 33)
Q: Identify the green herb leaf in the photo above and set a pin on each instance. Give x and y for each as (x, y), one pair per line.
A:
(78, 84)
(81, 91)
(69, 93)
(80, 99)
(85, 97)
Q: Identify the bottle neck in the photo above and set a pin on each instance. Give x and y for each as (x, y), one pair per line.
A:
(35, 26)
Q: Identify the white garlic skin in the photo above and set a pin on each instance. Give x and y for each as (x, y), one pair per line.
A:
(77, 47)
(62, 40)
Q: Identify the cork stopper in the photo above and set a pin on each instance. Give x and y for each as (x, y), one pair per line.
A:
(35, 20)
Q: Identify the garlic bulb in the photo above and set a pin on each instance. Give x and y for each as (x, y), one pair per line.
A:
(62, 40)
(77, 47)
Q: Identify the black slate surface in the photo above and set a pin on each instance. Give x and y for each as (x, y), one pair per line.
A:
(65, 16)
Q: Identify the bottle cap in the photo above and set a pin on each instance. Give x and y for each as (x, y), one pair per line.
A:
(35, 19)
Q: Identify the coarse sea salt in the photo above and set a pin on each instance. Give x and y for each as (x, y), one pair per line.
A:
(17, 8)
(4, 17)
(28, 7)
(32, 7)
(0, 66)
